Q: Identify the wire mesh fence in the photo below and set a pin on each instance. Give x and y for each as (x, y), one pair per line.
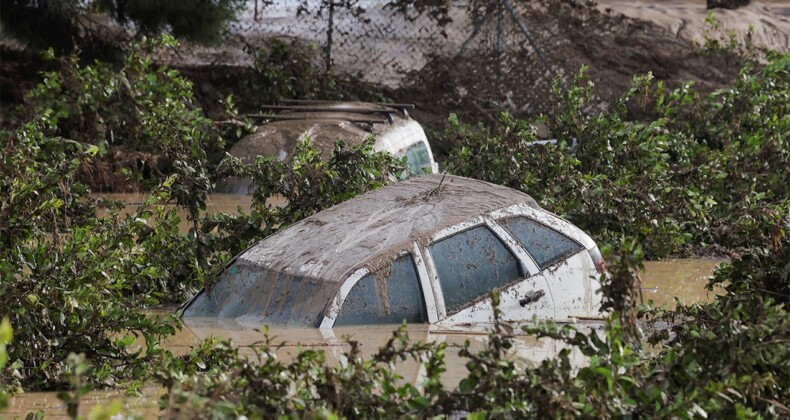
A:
(383, 43)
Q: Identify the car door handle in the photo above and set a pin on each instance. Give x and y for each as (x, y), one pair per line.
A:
(531, 297)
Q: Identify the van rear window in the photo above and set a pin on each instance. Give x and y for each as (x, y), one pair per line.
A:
(418, 160)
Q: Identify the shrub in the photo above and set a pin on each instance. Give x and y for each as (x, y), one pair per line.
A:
(690, 173)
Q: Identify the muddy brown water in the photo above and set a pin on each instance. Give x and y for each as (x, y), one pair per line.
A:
(215, 203)
(662, 282)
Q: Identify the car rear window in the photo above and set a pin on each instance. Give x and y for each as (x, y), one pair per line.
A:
(418, 160)
(470, 264)
(546, 245)
(389, 300)
(273, 297)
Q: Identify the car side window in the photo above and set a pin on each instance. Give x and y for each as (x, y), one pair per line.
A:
(417, 158)
(545, 244)
(389, 300)
(470, 264)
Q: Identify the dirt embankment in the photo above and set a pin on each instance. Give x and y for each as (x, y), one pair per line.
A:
(512, 75)
(765, 24)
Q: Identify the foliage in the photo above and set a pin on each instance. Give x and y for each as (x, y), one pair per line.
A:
(70, 282)
(75, 284)
(141, 116)
(67, 23)
(6, 335)
(717, 41)
(138, 110)
(732, 355)
(679, 171)
(73, 291)
(267, 387)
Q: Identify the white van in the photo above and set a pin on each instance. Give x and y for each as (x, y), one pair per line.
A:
(325, 123)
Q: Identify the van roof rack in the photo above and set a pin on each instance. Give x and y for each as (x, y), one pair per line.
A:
(310, 105)
(318, 117)
(318, 102)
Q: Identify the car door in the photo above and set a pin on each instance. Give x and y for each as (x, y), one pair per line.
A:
(467, 261)
(564, 265)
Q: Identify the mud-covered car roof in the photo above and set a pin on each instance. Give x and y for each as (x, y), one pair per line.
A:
(291, 277)
(324, 122)
(378, 225)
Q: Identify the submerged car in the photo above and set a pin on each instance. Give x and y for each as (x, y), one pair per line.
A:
(426, 250)
(326, 122)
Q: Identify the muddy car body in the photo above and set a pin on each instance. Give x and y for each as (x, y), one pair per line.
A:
(278, 132)
(425, 250)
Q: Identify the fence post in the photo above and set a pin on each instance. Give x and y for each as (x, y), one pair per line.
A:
(499, 49)
(329, 33)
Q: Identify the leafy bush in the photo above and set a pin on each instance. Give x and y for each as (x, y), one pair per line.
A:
(6, 334)
(307, 182)
(267, 387)
(689, 173)
(68, 280)
(140, 116)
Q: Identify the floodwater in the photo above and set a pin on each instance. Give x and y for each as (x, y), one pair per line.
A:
(215, 203)
(661, 283)
(685, 279)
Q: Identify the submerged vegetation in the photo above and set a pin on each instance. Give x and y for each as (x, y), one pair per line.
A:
(674, 171)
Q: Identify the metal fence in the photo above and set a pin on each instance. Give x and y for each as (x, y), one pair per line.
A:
(386, 45)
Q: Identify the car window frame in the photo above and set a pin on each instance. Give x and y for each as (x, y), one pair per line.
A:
(334, 308)
(547, 219)
(527, 266)
(557, 259)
